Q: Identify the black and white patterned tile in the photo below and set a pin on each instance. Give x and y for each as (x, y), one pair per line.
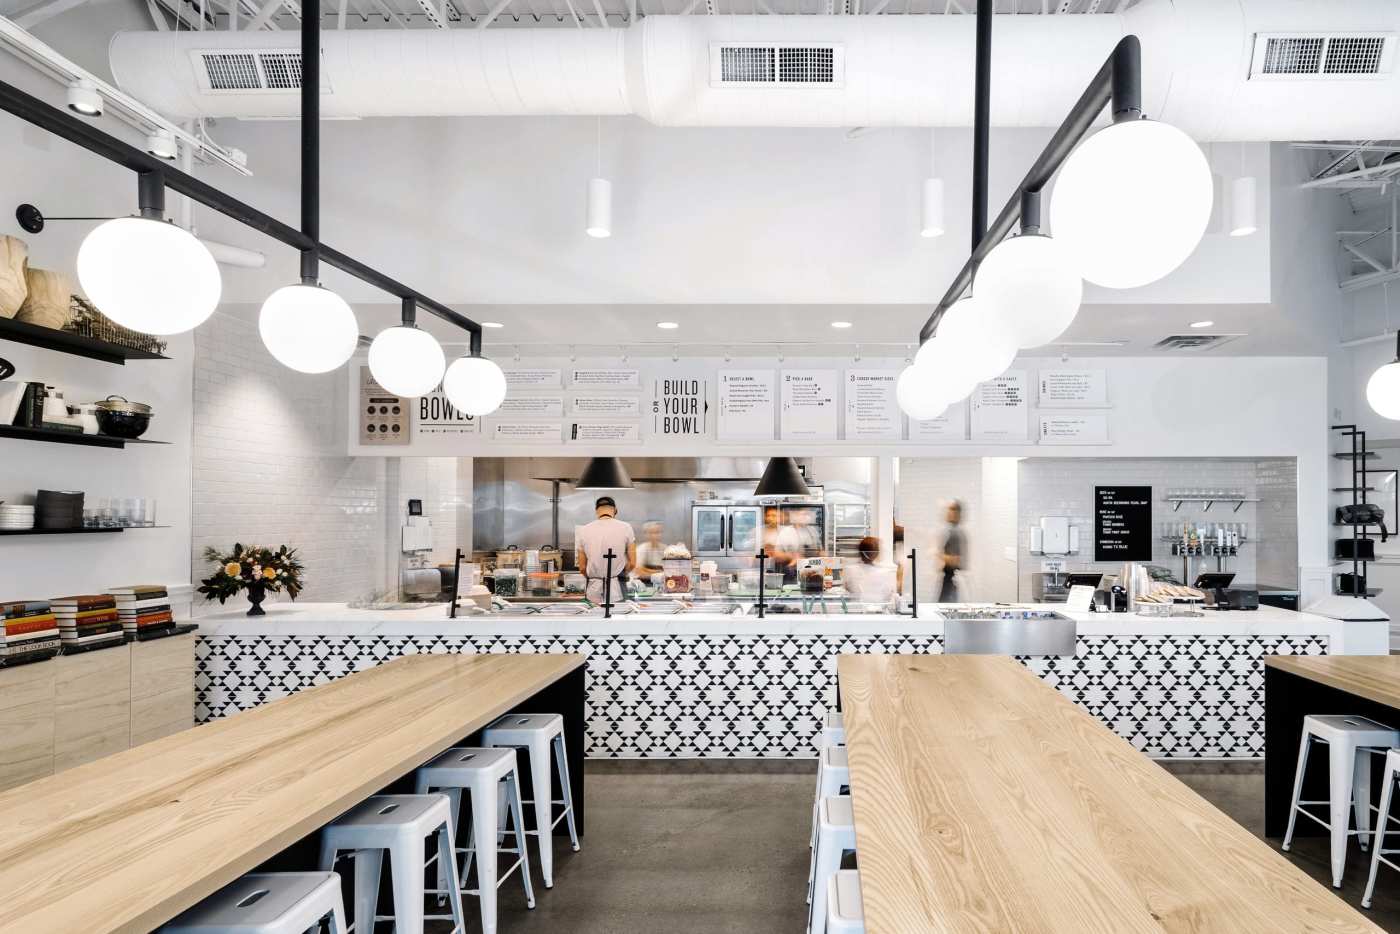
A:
(744, 696)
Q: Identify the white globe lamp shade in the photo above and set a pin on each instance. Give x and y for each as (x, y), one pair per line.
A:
(1131, 203)
(308, 328)
(148, 275)
(1031, 284)
(980, 343)
(917, 395)
(945, 373)
(475, 385)
(406, 361)
(1383, 391)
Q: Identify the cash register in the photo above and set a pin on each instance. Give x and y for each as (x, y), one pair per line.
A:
(1219, 593)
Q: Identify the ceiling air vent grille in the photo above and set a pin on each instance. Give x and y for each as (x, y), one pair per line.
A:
(1318, 55)
(276, 71)
(1194, 341)
(750, 65)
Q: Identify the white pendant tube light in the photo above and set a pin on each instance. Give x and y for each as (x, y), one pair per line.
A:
(161, 144)
(598, 223)
(308, 328)
(84, 99)
(146, 273)
(1243, 202)
(1131, 203)
(405, 360)
(475, 385)
(1030, 282)
(931, 217)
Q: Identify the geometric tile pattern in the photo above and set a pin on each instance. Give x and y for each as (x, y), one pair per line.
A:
(745, 696)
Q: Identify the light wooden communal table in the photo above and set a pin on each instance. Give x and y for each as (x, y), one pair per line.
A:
(986, 801)
(1298, 685)
(126, 842)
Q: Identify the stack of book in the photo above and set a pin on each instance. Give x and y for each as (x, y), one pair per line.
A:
(87, 622)
(30, 632)
(144, 610)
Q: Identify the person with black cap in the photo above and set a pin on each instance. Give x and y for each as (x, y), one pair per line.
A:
(593, 542)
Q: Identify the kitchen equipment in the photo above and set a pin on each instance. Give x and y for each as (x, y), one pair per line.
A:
(721, 531)
(86, 413)
(421, 582)
(510, 558)
(1237, 599)
(58, 509)
(118, 417)
(1118, 599)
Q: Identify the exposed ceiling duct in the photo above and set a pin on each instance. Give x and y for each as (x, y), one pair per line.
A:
(1219, 69)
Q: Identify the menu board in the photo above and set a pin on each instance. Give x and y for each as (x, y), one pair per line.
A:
(872, 411)
(950, 427)
(533, 378)
(746, 405)
(606, 405)
(1068, 389)
(527, 432)
(605, 379)
(809, 405)
(679, 406)
(437, 416)
(1073, 429)
(1122, 523)
(999, 408)
(384, 417)
(607, 432)
(532, 406)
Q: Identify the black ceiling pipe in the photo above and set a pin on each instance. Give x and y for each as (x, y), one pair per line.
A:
(782, 477)
(604, 473)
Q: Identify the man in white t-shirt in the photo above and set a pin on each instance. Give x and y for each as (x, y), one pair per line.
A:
(593, 542)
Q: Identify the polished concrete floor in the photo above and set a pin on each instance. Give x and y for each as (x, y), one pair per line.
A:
(721, 848)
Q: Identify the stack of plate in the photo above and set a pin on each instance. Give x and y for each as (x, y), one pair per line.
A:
(14, 518)
(58, 509)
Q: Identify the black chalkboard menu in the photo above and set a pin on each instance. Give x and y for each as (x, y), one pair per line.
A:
(1122, 523)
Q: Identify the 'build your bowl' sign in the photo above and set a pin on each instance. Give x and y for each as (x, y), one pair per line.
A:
(679, 406)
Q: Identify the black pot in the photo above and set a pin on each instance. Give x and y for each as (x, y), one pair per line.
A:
(122, 419)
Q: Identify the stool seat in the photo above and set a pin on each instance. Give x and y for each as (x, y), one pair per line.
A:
(833, 729)
(464, 764)
(1360, 731)
(844, 912)
(836, 836)
(267, 903)
(406, 812)
(516, 729)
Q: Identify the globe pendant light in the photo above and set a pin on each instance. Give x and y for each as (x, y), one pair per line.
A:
(1031, 284)
(916, 395)
(782, 477)
(1383, 388)
(475, 385)
(1131, 203)
(604, 473)
(308, 328)
(945, 379)
(980, 344)
(147, 274)
(406, 361)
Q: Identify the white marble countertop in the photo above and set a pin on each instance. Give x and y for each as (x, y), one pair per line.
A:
(337, 619)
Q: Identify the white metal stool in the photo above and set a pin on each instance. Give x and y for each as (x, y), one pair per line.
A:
(267, 903)
(833, 774)
(836, 836)
(539, 734)
(1350, 741)
(481, 772)
(399, 824)
(1378, 850)
(833, 730)
(844, 912)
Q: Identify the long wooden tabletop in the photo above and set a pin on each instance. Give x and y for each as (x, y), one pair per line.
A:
(986, 801)
(1374, 677)
(127, 842)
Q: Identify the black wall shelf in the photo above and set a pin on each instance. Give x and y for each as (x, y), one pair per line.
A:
(21, 332)
(83, 531)
(55, 436)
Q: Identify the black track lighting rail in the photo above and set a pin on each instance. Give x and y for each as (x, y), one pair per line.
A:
(156, 174)
(1118, 82)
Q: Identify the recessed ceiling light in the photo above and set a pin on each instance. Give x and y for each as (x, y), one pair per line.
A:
(840, 324)
(667, 325)
(492, 324)
(1202, 324)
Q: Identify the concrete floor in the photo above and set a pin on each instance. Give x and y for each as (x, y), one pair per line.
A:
(721, 848)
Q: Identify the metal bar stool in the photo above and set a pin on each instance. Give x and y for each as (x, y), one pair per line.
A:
(833, 730)
(836, 836)
(833, 776)
(481, 772)
(1378, 850)
(399, 824)
(844, 912)
(267, 903)
(539, 734)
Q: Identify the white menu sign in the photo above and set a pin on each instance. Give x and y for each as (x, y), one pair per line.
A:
(1068, 389)
(746, 405)
(438, 416)
(610, 432)
(527, 432)
(999, 408)
(607, 405)
(1073, 429)
(532, 406)
(605, 379)
(533, 378)
(951, 426)
(872, 411)
(809, 405)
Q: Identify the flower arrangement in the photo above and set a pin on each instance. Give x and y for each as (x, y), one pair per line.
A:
(253, 568)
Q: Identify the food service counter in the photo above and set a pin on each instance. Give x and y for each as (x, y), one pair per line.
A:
(702, 685)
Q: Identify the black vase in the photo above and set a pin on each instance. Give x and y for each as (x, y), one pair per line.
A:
(256, 593)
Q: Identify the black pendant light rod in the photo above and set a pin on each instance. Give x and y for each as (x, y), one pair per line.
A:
(82, 133)
(981, 121)
(311, 146)
(1118, 82)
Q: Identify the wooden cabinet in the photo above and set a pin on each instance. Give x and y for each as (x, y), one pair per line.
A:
(76, 708)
